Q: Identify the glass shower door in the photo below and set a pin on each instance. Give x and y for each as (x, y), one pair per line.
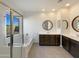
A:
(17, 34)
(11, 32)
(4, 39)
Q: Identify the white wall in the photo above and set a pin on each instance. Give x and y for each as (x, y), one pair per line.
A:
(33, 24)
(65, 13)
(73, 13)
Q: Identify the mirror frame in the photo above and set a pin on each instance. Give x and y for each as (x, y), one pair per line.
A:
(66, 23)
(47, 21)
(73, 23)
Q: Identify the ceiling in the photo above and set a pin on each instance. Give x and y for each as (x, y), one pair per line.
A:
(37, 5)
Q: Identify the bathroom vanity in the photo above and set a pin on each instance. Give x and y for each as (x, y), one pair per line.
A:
(71, 45)
(49, 40)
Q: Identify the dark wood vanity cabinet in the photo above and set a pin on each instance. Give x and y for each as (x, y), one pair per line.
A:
(65, 43)
(72, 46)
(58, 40)
(49, 40)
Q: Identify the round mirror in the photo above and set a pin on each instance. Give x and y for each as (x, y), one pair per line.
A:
(75, 24)
(64, 24)
(47, 25)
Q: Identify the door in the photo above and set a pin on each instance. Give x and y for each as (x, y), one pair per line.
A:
(17, 34)
(4, 33)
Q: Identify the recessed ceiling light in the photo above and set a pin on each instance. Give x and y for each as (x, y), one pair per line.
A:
(43, 10)
(67, 5)
(53, 9)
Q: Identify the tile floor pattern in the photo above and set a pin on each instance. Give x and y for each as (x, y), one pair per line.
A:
(48, 52)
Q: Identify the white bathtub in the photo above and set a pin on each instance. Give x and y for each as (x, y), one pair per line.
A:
(26, 48)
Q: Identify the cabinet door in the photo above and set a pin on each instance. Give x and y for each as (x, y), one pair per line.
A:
(58, 40)
(74, 50)
(52, 40)
(65, 43)
(40, 40)
(44, 40)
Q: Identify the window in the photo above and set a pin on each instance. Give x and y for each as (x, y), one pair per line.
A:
(7, 18)
(15, 25)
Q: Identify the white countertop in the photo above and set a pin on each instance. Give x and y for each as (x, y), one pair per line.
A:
(49, 33)
(74, 37)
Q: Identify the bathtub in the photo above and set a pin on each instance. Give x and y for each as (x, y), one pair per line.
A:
(26, 48)
(22, 51)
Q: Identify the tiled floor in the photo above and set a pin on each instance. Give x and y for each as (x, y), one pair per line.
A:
(48, 52)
